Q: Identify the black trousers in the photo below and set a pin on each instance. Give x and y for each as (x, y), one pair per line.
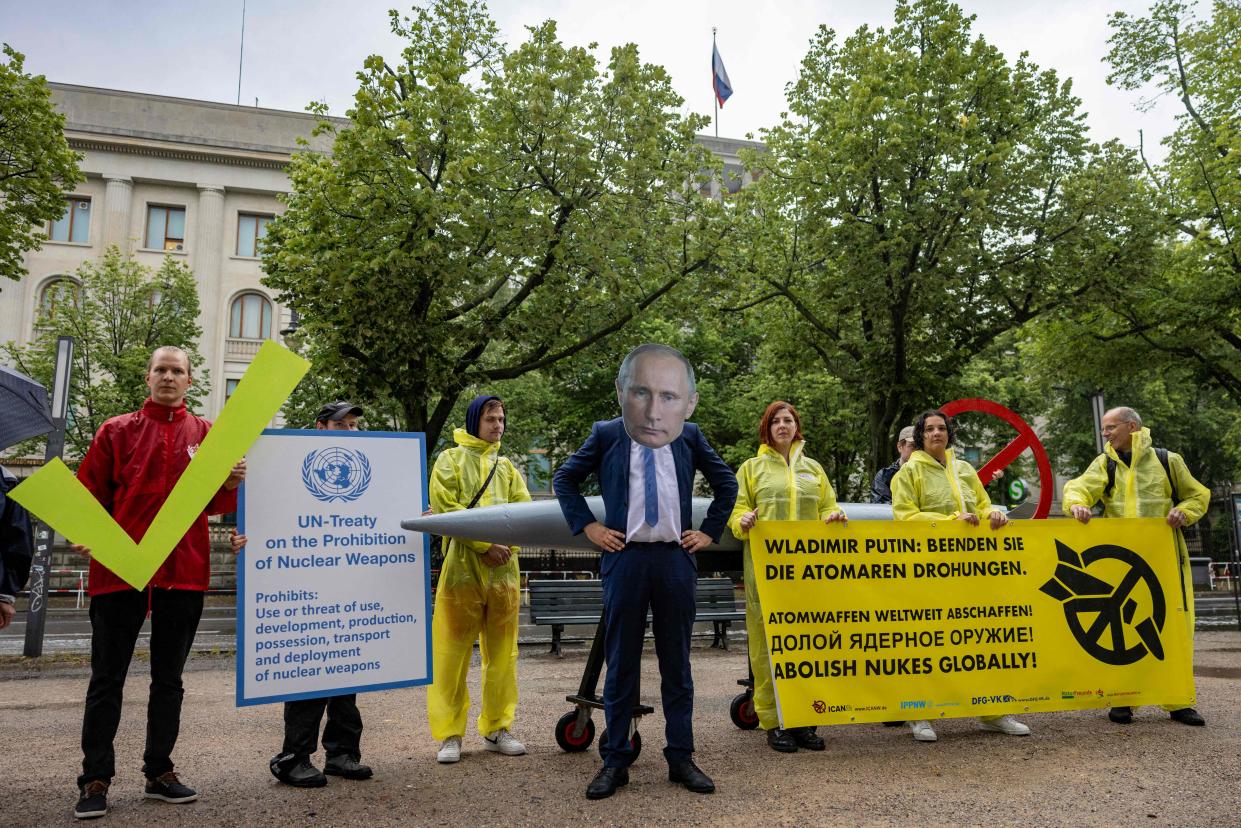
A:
(664, 577)
(115, 621)
(342, 736)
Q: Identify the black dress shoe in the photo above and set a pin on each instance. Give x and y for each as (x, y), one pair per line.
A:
(808, 738)
(781, 741)
(1188, 716)
(688, 774)
(1121, 715)
(606, 781)
(296, 771)
(348, 767)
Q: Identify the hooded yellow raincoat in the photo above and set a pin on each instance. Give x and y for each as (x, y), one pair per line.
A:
(796, 490)
(925, 490)
(1143, 490)
(474, 602)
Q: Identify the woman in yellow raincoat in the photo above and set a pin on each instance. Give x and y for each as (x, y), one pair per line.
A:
(779, 483)
(935, 485)
(479, 593)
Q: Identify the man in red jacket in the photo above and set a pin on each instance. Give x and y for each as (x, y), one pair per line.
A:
(131, 467)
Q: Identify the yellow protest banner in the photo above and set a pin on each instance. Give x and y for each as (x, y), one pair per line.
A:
(877, 621)
(58, 498)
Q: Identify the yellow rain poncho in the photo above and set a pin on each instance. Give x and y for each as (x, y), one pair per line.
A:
(1143, 490)
(474, 602)
(796, 490)
(925, 490)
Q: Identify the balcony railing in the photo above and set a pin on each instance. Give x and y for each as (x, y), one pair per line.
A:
(243, 348)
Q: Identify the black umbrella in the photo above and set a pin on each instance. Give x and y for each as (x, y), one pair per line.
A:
(24, 412)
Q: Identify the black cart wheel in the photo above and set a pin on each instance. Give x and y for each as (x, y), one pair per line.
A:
(564, 733)
(742, 711)
(635, 743)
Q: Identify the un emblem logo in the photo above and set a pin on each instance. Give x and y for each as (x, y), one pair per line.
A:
(336, 473)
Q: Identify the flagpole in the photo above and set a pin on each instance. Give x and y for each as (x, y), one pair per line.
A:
(715, 98)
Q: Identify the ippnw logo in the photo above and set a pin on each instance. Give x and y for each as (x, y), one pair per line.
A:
(1116, 611)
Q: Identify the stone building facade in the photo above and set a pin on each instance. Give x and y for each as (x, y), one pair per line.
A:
(196, 180)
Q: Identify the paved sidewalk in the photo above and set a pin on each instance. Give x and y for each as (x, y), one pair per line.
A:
(1076, 769)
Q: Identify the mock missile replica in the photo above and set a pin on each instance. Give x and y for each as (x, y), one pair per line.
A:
(541, 523)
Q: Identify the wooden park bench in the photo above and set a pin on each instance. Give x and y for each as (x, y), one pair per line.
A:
(560, 603)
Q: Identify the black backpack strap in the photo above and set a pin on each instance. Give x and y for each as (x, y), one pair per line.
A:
(1162, 454)
(478, 495)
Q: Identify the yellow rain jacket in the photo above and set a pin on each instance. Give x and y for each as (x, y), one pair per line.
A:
(796, 490)
(1143, 490)
(925, 490)
(474, 602)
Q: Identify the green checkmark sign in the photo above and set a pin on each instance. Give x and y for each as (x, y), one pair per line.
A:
(60, 499)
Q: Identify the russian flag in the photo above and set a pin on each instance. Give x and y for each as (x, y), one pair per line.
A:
(719, 77)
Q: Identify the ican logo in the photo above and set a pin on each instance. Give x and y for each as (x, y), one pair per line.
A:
(336, 473)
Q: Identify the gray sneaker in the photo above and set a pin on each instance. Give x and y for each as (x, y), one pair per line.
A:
(346, 766)
(296, 771)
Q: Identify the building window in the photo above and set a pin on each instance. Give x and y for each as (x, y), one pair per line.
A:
(538, 471)
(165, 228)
(230, 385)
(251, 229)
(74, 225)
(250, 317)
(57, 295)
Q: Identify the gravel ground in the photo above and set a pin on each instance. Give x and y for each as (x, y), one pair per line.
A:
(1076, 769)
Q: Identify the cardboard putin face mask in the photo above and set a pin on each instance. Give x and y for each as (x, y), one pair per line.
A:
(656, 400)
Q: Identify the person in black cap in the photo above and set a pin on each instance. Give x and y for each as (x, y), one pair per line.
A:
(342, 736)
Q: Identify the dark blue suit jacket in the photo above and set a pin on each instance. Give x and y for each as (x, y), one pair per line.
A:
(606, 453)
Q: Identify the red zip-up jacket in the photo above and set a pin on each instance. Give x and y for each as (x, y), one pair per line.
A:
(131, 467)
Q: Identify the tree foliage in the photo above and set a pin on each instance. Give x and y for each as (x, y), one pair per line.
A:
(487, 212)
(923, 196)
(1189, 305)
(36, 165)
(120, 314)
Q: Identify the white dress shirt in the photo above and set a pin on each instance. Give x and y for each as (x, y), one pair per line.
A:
(668, 528)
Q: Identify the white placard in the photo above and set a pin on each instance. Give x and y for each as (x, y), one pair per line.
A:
(333, 596)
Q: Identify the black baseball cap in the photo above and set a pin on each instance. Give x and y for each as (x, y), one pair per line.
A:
(337, 411)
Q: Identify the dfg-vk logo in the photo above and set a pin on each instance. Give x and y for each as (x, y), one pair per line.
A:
(336, 473)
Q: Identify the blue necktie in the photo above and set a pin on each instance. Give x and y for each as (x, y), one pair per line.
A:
(650, 492)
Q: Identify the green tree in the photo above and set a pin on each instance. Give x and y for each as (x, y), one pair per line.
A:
(1189, 307)
(36, 164)
(120, 314)
(922, 197)
(487, 213)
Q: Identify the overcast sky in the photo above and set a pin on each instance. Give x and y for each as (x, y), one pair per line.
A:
(297, 51)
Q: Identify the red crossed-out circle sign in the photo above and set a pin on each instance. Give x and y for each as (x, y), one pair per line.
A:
(1026, 438)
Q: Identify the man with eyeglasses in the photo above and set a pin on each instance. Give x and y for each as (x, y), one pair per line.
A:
(1132, 479)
